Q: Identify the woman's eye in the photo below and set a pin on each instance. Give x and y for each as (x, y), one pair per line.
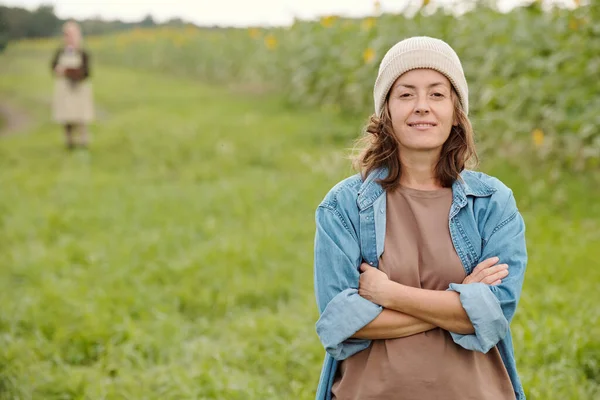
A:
(404, 95)
(438, 95)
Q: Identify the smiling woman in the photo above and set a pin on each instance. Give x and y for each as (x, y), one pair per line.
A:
(412, 255)
(421, 107)
(421, 111)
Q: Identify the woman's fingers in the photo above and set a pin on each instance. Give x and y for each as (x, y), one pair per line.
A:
(364, 267)
(495, 269)
(496, 273)
(488, 272)
(485, 264)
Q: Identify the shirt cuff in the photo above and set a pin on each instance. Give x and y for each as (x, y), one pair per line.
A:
(484, 311)
(345, 315)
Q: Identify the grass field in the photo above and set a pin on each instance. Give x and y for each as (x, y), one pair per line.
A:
(174, 259)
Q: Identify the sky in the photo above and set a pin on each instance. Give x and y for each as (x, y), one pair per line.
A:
(226, 12)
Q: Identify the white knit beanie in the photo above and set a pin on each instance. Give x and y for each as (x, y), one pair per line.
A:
(420, 52)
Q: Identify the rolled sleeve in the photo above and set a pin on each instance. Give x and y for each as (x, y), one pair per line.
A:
(343, 312)
(485, 313)
(491, 308)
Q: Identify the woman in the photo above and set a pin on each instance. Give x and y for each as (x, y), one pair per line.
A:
(72, 103)
(419, 262)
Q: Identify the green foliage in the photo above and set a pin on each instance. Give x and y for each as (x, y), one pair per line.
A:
(17, 23)
(528, 70)
(174, 260)
(3, 32)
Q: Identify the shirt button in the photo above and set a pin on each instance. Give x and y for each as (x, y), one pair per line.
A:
(371, 263)
(381, 211)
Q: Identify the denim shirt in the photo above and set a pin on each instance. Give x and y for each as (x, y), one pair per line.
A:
(350, 227)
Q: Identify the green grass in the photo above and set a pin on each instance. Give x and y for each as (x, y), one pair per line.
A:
(174, 260)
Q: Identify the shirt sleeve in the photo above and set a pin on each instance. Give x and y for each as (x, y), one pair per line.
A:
(55, 59)
(336, 275)
(85, 64)
(491, 308)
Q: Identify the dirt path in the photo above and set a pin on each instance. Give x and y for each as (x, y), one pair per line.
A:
(14, 120)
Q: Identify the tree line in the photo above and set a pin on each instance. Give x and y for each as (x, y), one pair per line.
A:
(20, 23)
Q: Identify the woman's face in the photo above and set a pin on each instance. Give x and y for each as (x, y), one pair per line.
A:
(71, 36)
(421, 104)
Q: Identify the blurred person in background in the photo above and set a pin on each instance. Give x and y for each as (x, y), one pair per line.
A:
(72, 104)
(419, 262)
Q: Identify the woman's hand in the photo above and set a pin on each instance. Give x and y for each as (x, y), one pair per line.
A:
(374, 285)
(488, 272)
(59, 70)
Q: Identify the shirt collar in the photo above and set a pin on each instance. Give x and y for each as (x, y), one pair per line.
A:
(469, 184)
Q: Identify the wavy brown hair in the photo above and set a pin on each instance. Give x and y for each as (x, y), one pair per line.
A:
(379, 148)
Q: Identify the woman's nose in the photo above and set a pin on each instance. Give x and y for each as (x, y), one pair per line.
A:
(422, 106)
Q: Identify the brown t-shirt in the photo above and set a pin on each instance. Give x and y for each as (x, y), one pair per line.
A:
(427, 366)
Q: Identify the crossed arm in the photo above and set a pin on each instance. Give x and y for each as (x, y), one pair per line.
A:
(476, 312)
(408, 310)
